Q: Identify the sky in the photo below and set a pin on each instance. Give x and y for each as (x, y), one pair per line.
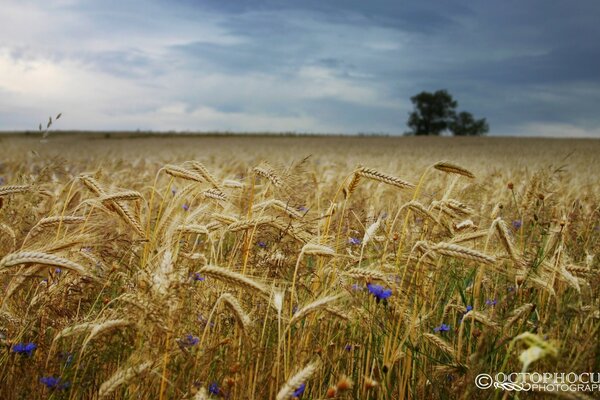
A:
(530, 67)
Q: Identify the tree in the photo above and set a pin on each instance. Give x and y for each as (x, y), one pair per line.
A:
(465, 125)
(433, 113)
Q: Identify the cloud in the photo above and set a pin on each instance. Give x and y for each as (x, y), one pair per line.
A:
(342, 66)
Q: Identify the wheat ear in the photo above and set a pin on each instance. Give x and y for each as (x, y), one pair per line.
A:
(296, 380)
(452, 168)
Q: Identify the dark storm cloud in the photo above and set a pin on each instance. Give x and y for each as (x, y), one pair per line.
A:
(340, 65)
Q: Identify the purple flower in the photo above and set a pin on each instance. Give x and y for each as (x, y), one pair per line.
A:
(197, 277)
(379, 292)
(262, 244)
(189, 341)
(442, 328)
(25, 349)
(348, 347)
(213, 388)
(302, 208)
(491, 303)
(517, 224)
(185, 207)
(54, 383)
(354, 241)
(173, 190)
(469, 308)
(298, 392)
(58, 270)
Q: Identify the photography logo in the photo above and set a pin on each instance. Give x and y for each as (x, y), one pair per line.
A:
(540, 382)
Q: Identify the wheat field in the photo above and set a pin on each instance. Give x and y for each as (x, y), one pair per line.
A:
(294, 267)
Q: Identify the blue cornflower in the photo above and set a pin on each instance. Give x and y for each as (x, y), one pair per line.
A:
(262, 244)
(517, 224)
(354, 241)
(469, 308)
(22, 348)
(348, 347)
(379, 292)
(58, 270)
(197, 277)
(298, 392)
(213, 388)
(189, 340)
(302, 208)
(442, 328)
(54, 383)
(491, 302)
(185, 207)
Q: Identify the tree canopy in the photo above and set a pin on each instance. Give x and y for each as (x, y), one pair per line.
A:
(435, 113)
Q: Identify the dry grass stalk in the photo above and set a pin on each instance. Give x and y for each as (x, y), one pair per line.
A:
(234, 278)
(371, 173)
(296, 380)
(452, 168)
(454, 250)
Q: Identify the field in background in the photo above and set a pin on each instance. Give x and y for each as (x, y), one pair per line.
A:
(236, 267)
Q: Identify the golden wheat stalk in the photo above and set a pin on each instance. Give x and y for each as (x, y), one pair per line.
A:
(501, 229)
(456, 251)
(234, 278)
(13, 189)
(365, 273)
(31, 257)
(352, 184)
(373, 174)
(440, 344)
(266, 171)
(296, 380)
(240, 315)
(277, 205)
(180, 172)
(312, 307)
(203, 171)
(121, 377)
(452, 168)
